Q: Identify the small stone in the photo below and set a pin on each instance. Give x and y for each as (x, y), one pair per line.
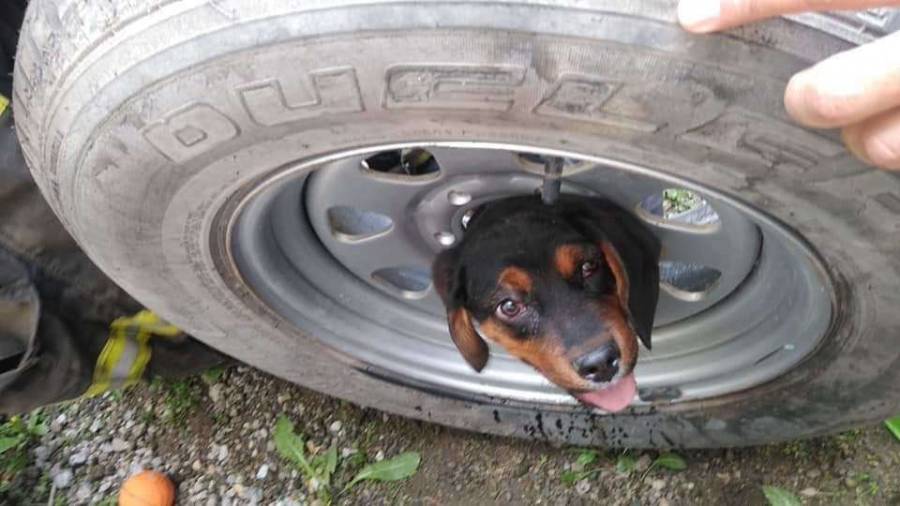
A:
(582, 487)
(658, 484)
(262, 472)
(379, 456)
(814, 473)
(197, 466)
(346, 452)
(57, 424)
(663, 502)
(253, 494)
(335, 426)
(809, 492)
(118, 445)
(689, 485)
(850, 482)
(78, 458)
(217, 452)
(643, 463)
(138, 430)
(41, 452)
(63, 478)
(95, 426)
(83, 493)
(215, 393)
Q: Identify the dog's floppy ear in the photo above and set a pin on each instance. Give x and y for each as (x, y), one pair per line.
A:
(639, 302)
(449, 282)
(632, 253)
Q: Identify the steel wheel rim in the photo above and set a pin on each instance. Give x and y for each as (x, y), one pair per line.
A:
(285, 246)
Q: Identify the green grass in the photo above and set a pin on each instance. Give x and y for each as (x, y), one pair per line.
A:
(180, 397)
(677, 200)
(17, 436)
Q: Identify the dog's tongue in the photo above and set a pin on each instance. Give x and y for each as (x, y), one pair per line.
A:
(613, 398)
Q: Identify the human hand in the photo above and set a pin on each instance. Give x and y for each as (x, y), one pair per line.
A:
(857, 90)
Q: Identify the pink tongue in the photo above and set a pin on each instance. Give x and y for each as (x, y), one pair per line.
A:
(613, 398)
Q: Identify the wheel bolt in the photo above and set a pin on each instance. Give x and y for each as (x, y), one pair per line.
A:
(458, 198)
(466, 217)
(445, 238)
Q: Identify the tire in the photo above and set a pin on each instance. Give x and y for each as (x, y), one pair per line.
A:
(141, 120)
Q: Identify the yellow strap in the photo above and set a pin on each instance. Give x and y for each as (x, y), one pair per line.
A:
(4, 102)
(128, 336)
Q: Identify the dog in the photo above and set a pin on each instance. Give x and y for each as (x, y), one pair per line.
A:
(568, 288)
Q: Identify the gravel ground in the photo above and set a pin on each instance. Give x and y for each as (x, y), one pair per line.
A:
(213, 435)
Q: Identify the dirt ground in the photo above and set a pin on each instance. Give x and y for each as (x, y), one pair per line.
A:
(213, 434)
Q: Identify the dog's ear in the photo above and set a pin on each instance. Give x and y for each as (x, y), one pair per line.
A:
(632, 253)
(639, 302)
(448, 278)
(467, 341)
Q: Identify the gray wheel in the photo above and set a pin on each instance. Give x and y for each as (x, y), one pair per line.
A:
(276, 178)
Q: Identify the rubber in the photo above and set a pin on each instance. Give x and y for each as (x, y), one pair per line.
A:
(140, 119)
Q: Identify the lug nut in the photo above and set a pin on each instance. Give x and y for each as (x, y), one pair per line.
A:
(446, 239)
(458, 198)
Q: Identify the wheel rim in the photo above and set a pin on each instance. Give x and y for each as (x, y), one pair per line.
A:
(341, 248)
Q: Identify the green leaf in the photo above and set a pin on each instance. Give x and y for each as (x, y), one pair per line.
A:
(290, 446)
(212, 375)
(893, 425)
(780, 497)
(670, 461)
(9, 442)
(625, 464)
(331, 458)
(400, 467)
(587, 458)
(569, 477)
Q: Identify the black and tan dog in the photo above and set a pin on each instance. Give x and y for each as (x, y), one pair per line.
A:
(568, 288)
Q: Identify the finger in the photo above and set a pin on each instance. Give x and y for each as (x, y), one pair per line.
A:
(710, 15)
(847, 87)
(876, 141)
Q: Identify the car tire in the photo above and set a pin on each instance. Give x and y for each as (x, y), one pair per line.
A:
(142, 120)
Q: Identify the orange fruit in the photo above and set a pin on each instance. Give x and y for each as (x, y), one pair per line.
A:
(147, 488)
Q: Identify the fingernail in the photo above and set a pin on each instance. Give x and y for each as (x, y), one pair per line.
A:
(699, 15)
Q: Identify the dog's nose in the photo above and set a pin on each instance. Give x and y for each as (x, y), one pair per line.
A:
(599, 365)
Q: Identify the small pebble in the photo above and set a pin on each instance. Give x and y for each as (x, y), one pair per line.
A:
(63, 478)
(119, 445)
(809, 492)
(582, 487)
(78, 458)
(57, 424)
(335, 426)
(263, 472)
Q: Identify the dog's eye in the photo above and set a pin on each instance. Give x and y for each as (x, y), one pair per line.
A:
(588, 268)
(509, 308)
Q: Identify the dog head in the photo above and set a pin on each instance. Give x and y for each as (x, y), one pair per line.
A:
(569, 289)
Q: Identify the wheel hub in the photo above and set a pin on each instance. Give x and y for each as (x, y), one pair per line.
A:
(353, 267)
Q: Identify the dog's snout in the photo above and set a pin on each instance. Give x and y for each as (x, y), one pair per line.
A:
(599, 365)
